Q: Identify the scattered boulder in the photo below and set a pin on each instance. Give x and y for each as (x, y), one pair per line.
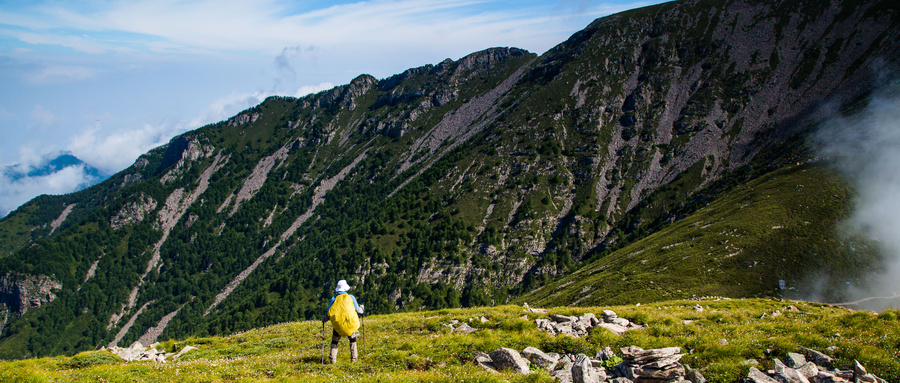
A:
(583, 371)
(694, 375)
(809, 370)
(609, 315)
(507, 358)
(794, 360)
(463, 328)
(614, 328)
(183, 351)
(661, 363)
(561, 318)
(484, 360)
(786, 374)
(757, 376)
(819, 358)
(540, 358)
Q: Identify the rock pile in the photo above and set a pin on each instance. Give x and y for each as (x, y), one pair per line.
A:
(138, 352)
(635, 365)
(657, 365)
(660, 364)
(810, 367)
(579, 326)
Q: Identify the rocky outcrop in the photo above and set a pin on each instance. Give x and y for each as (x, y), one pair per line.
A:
(138, 352)
(576, 326)
(663, 365)
(22, 292)
(181, 152)
(133, 212)
(811, 367)
(635, 365)
(243, 118)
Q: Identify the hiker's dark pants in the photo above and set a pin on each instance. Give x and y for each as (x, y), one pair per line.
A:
(335, 338)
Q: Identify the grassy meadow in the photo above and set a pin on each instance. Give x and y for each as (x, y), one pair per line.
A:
(417, 347)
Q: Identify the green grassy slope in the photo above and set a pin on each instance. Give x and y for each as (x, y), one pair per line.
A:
(416, 347)
(780, 226)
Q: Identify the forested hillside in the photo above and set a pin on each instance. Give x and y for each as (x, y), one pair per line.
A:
(463, 183)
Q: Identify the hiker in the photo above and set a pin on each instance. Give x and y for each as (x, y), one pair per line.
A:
(342, 311)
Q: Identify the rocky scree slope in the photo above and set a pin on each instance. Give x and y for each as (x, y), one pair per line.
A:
(446, 185)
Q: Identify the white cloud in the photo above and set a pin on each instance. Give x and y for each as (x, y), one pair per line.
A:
(270, 25)
(42, 116)
(80, 43)
(225, 107)
(5, 113)
(16, 192)
(865, 148)
(111, 151)
(56, 73)
(309, 89)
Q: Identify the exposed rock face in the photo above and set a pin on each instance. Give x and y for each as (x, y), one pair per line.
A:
(133, 212)
(22, 292)
(181, 151)
(243, 118)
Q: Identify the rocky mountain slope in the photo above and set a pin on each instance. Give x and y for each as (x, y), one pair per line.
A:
(460, 183)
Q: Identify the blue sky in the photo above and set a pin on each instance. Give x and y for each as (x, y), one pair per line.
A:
(109, 80)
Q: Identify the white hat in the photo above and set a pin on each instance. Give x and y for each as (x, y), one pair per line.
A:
(342, 286)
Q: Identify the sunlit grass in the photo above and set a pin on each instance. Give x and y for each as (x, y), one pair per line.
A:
(420, 347)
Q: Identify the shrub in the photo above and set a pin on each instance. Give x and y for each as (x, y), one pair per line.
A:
(91, 358)
(889, 315)
(567, 345)
(517, 325)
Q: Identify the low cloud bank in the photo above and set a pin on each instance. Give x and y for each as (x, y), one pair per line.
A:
(23, 182)
(865, 149)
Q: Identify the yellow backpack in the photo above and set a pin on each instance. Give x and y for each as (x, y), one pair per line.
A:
(343, 315)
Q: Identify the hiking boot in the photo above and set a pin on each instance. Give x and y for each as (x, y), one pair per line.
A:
(353, 353)
(333, 356)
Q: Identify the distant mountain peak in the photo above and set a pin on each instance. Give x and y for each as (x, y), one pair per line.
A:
(52, 163)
